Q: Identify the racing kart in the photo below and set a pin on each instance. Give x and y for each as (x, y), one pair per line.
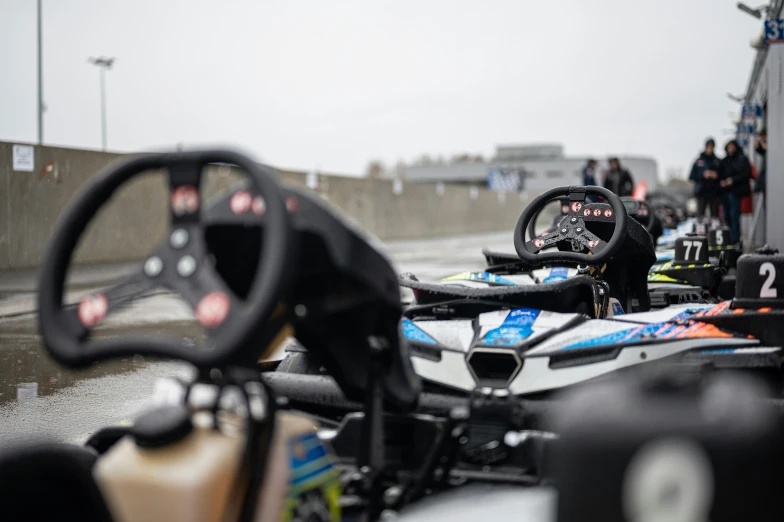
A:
(261, 456)
(669, 208)
(532, 348)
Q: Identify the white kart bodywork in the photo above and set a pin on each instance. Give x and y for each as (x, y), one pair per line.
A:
(539, 339)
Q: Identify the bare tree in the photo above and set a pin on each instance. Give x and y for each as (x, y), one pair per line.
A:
(425, 159)
(375, 170)
(674, 173)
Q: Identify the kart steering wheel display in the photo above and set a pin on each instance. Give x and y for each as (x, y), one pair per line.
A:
(571, 228)
(181, 264)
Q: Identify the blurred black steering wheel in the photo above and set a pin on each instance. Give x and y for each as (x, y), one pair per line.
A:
(181, 263)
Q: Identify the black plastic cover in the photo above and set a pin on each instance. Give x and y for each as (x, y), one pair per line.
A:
(346, 293)
(162, 426)
(760, 281)
(627, 437)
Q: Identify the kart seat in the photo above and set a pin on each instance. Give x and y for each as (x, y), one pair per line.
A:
(579, 294)
(494, 258)
(50, 482)
(348, 287)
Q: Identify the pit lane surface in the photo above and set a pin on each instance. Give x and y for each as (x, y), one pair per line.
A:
(40, 399)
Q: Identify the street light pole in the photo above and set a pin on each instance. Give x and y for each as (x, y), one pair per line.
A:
(103, 108)
(40, 81)
(103, 64)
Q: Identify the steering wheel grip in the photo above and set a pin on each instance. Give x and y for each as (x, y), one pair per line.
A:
(651, 216)
(579, 193)
(64, 336)
(651, 220)
(532, 224)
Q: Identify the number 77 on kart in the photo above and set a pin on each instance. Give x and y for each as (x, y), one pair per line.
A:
(774, 31)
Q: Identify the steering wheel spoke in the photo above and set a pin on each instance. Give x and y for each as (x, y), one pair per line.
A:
(92, 309)
(543, 241)
(194, 278)
(244, 207)
(185, 202)
(591, 242)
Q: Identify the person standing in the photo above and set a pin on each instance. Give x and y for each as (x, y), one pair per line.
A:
(618, 180)
(589, 173)
(705, 175)
(735, 182)
(589, 178)
(761, 146)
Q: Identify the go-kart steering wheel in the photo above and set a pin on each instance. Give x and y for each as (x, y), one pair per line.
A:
(667, 213)
(644, 214)
(180, 264)
(572, 227)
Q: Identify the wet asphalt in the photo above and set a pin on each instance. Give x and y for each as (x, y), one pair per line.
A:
(41, 399)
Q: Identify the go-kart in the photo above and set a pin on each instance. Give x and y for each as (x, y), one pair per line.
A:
(670, 209)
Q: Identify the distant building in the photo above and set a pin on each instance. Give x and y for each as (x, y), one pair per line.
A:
(765, 91)
(532, 168)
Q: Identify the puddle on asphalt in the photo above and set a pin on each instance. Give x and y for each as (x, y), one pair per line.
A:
(27, 371)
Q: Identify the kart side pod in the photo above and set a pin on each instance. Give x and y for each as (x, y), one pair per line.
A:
(179, 472)
(760, 281)
(669, 448)
(661, 449)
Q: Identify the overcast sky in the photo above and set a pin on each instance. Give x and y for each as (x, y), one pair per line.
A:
(333, 83)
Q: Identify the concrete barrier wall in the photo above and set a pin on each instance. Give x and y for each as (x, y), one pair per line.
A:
(135, 220)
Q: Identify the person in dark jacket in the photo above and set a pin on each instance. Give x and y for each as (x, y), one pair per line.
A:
(735, 182)
(705, 175)
(761, 146)
(589, 173)
(589, 178)
(618, 180)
